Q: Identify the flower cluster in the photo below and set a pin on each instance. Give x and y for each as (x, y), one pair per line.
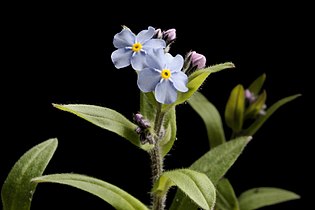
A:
(158, 71)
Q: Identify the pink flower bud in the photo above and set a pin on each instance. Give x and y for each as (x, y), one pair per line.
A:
(197, 60)
(250, 96)
(141, 121)
(169, 35)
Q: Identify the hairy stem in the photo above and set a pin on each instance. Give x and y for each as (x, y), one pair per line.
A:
(158, 201)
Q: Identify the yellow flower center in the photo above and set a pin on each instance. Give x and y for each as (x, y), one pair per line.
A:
(136, 47)
(166, 73)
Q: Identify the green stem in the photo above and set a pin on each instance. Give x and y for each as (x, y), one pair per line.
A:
(158, 201)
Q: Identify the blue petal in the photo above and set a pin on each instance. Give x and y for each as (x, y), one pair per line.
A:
(121, 57)
(148, 79)
(176, 64)
(156, 58)
(165, 92)
(138, 61)
(168, 58)
(180, 80)
(154, 43)
(145, 35)
(125, 38)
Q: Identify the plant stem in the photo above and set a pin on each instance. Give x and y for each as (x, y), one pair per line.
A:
(158, 201)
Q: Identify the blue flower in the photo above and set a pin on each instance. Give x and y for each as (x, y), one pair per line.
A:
(132, 48)
(163, 76)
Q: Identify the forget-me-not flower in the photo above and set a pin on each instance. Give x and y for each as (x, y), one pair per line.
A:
(163, 76)
(132, 49)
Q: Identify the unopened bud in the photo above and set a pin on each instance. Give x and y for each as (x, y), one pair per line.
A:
(169, 35)
(249, 96)
(194, 61)
(141, 121)
(158, 34)
(198, 60)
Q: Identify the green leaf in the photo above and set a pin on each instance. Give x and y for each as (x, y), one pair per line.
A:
(148, 105)
(253, 128)
(107, 119)
(214, 164)
(234, 110)
(256, 86)
(197, 186)
(17, 190)
(115, 196)
(264, 196)
(170, 133)
(197, 78)
(226, 198)
(211, 118)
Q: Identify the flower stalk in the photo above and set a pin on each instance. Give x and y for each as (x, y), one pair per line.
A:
(158, 200)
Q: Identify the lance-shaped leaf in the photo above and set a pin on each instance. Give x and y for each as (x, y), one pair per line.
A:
(256, 86)
(211, 118)
(234, 110)
(107, 119)
(197, 78)
(17, 190)
(264, 196)
(253, 128)
(215, 163)
(113, 195)
(226, 198)
(148, 106)
(169, 138)
(197, 186)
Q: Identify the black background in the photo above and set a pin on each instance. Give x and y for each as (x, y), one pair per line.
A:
(61, 54)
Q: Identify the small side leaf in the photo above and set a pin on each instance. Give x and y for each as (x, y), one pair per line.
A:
(226, 198)
(197, 186)
(264, 196)
(107, 119)
(115, 196)
(148, 105)
(211, 118)
(17, 190)
(234, 110)
(170, 133)
(196, 79)
(253, 128)
(256, 86)
(214, 164)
